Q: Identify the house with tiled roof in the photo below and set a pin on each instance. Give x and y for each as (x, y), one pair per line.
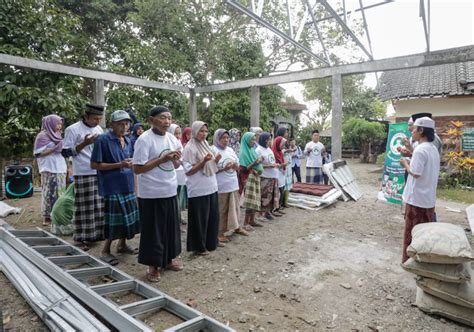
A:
(446, 91)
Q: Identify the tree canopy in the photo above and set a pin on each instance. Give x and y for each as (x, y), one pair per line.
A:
(188, 42)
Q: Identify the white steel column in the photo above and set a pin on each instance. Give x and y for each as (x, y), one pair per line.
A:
(99, 98)
(336, 119)
(192, 107)
(254, 106)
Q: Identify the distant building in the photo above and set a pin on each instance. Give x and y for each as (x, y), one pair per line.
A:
(446, 91)
(294, 110)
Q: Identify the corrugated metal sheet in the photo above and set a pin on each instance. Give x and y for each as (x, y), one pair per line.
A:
(341, 177)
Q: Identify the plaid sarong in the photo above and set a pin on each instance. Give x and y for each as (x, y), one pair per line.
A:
(252, 196)
(121, 216)
(88, 209)
(314, 175)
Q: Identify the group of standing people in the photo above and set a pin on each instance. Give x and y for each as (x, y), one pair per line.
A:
(128, 180)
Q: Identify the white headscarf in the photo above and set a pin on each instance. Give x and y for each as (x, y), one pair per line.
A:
(196, 150)
(172, 128)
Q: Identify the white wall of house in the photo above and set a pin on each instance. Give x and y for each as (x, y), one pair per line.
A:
(440, 106)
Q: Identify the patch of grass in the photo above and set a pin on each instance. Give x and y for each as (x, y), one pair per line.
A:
(456, 194)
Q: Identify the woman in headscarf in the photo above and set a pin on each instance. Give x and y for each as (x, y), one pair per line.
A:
(200, 165)
(249, 179)
(186, 136)
(234, 140)
(257, 131)
(277, 148)
(284, 132)
(269, 178)
(228, 187)
(175, 130)
(137, 130)
(52, 165)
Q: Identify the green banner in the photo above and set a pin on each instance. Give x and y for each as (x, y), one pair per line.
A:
(468, 139)
(393, 179)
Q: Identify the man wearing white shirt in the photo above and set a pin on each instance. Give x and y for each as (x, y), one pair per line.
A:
(423, 172)
(314, 163)
(79, 141)
(156, 157)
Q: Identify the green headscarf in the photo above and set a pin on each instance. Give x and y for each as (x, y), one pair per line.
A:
(247, 153)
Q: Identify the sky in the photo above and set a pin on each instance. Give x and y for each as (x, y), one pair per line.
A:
(396, 29)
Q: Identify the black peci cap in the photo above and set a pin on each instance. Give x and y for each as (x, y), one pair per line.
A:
(158, 110)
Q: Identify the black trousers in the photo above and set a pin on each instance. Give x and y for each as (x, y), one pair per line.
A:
(160, 239)
(203, 223)
(296, 170)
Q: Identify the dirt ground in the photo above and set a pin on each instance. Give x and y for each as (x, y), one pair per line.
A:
(335, 269)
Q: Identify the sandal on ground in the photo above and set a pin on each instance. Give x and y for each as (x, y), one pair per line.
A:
(241, 231)
(248, 228)
(127, 250)
(153, 276)
(175, 265)
(269, 216)
(220, 244)
(81, 245)
(256, 224)
(223, 239)
(109, 259)
(202, 253)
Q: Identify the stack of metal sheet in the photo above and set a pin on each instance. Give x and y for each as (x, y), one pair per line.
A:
(314, 203)
(341, 177)
(59, 311)
(75, 270)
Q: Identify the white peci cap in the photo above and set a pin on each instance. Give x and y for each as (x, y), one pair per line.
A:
(425, 122)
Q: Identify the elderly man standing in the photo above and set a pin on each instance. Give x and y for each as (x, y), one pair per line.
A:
(157, 155)
(79, 140)
(423, 171)
(111, 158)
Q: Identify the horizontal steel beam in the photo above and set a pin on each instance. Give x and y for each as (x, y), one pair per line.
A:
(144, 306)
(90, 272)
(29, 233)
(38, 241)
(452, 55)
(115, 287)
(88, 73)
(48, 250)
(74, 259)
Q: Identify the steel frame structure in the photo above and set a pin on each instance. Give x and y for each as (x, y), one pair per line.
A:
(255, 12)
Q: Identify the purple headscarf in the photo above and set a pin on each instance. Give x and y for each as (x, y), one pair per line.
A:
(48, 133)
(217, 137)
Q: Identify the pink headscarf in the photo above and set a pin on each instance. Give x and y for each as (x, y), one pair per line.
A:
(49, 134)
(184, 136)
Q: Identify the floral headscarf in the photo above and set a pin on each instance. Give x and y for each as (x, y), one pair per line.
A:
(233, 141)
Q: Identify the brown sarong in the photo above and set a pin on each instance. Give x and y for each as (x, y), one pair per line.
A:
(413, 216)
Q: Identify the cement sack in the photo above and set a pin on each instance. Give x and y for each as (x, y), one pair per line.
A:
(441, 243)
(433, 305)
(461, 294)
(6, 209)
(457, 273)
